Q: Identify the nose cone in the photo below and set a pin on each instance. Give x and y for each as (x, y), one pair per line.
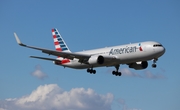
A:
(162, 50)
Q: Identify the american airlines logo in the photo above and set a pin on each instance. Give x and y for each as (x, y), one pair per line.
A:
(123, 50)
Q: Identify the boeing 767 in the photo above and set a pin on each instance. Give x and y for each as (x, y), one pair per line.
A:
(135, 55)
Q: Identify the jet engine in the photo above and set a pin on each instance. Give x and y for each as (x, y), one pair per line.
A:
(139, 65)
(96, 60)
(99, 59)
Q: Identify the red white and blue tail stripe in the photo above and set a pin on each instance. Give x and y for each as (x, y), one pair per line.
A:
(59, 43)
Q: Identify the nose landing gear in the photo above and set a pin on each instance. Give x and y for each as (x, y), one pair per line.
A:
(154, 63)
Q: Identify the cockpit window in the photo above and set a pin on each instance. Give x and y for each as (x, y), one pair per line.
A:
(157, 45)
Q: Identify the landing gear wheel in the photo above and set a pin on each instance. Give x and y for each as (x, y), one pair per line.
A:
(119, 73)
(116, 73)
(88, 70)
(91, 71)
(154, 65)
(113, 72)
(94, 71)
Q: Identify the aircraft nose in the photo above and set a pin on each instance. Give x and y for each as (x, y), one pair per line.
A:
(163, 50)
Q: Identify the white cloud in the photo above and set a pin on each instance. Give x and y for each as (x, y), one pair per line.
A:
(52, 97)
(38, 73)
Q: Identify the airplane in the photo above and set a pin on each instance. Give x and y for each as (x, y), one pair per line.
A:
(135, 55)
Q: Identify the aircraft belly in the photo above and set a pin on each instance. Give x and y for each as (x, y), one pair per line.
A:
(77, 65)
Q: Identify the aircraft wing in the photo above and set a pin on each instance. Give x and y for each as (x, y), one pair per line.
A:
(81, 57)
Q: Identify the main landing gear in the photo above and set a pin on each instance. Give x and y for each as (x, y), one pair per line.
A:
(117, 73)
(154, 63)
(91, 71)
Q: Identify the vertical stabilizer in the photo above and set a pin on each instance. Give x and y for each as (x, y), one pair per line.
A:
(59, 43)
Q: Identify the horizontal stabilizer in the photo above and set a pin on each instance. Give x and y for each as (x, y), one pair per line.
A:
(51, 59)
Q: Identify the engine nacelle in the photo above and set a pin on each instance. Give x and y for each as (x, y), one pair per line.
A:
(139, 65)
(96, 60)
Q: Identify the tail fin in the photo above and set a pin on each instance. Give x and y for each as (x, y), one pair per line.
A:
(59, 43)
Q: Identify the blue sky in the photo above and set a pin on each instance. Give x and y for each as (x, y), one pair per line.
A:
(87, 25)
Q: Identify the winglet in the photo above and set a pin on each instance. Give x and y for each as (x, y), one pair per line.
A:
(18, 40)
